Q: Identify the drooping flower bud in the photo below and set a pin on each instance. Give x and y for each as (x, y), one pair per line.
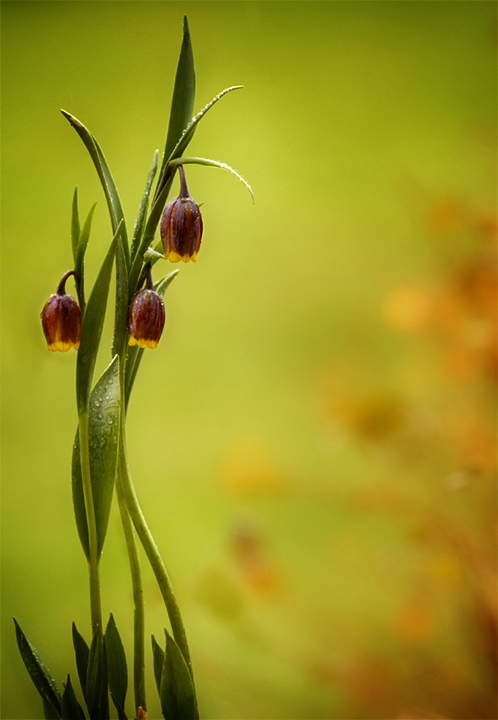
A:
(61, 319)
(146, 316)
(181, 226)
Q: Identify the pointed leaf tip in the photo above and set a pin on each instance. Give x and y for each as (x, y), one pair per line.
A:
(177, 693)
(74, 121)
(40, 674)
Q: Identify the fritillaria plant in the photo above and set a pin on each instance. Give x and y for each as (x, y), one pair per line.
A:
(99, 463)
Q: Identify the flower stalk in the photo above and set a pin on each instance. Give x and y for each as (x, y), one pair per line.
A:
(93, 559)
(100, 459)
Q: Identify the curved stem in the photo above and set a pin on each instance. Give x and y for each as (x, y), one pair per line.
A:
(139, 614)
(156, 562)
(61, 289)
(93, 561)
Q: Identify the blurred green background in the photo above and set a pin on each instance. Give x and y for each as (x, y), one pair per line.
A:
(313, 442)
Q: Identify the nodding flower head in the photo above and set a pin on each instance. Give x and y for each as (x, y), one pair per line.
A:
(61, 319)
(181, 226)
(146, 316)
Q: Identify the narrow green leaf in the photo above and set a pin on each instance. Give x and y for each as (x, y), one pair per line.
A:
(81, 246)
(82, 652)
(104, 173)
(189, 130)
(158, 661)
(97, 698)
(211, 163)
(83, 238)
(91, 327)
(177, 691)
(165, 180)
(39, 673)
(122, 302)
(135, 353)
(71, 709)
(119, 709)
(75, 224)
(182, 105)
(144, 204)
(116, 663)
(161, 285)
(103, 436)
(49, 713)
(150, 229)
(186, 137)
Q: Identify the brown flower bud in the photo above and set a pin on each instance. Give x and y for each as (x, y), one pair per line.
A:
(61, 319)
(181, 226)
(146, 316)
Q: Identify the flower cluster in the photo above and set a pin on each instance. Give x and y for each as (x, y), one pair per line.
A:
(181, 232)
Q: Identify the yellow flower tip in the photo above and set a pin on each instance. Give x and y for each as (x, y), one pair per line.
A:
(187, 258)
(173, 256)
(142, 343)
(60, 346)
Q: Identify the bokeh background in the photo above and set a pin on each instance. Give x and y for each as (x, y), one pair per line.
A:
(313, 442)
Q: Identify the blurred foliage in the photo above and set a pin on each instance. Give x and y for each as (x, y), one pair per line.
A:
(314, 441)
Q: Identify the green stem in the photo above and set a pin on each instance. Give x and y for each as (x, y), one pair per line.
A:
(131, 546)
(155, 560)
(139, 614)
(93, 560)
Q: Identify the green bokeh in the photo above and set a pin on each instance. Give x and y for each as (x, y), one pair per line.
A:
(354, 120)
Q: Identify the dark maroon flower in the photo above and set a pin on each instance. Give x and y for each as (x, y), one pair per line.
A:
(146, 316)
(61, 319)
(181, 226)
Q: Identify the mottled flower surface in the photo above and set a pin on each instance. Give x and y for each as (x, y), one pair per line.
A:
(146, 319)
(181, 226)
(61, 320)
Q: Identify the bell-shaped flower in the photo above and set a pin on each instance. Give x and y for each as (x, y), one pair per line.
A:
(61, 319)
(146, 316)
(181, 226)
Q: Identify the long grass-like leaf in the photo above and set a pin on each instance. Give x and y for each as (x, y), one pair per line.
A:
(150, 229)
(182, 105)
(122, 302)
(82, 653)
(189, 129)
(96, 680)
(116, 662)
(158, 662)
(75, 224)
(142, 210)
(211, 163)
(103, 438)
(39, 673)
(104, 173)
(176, 693)
(91, 327)
(79, 259)
(71, 709)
